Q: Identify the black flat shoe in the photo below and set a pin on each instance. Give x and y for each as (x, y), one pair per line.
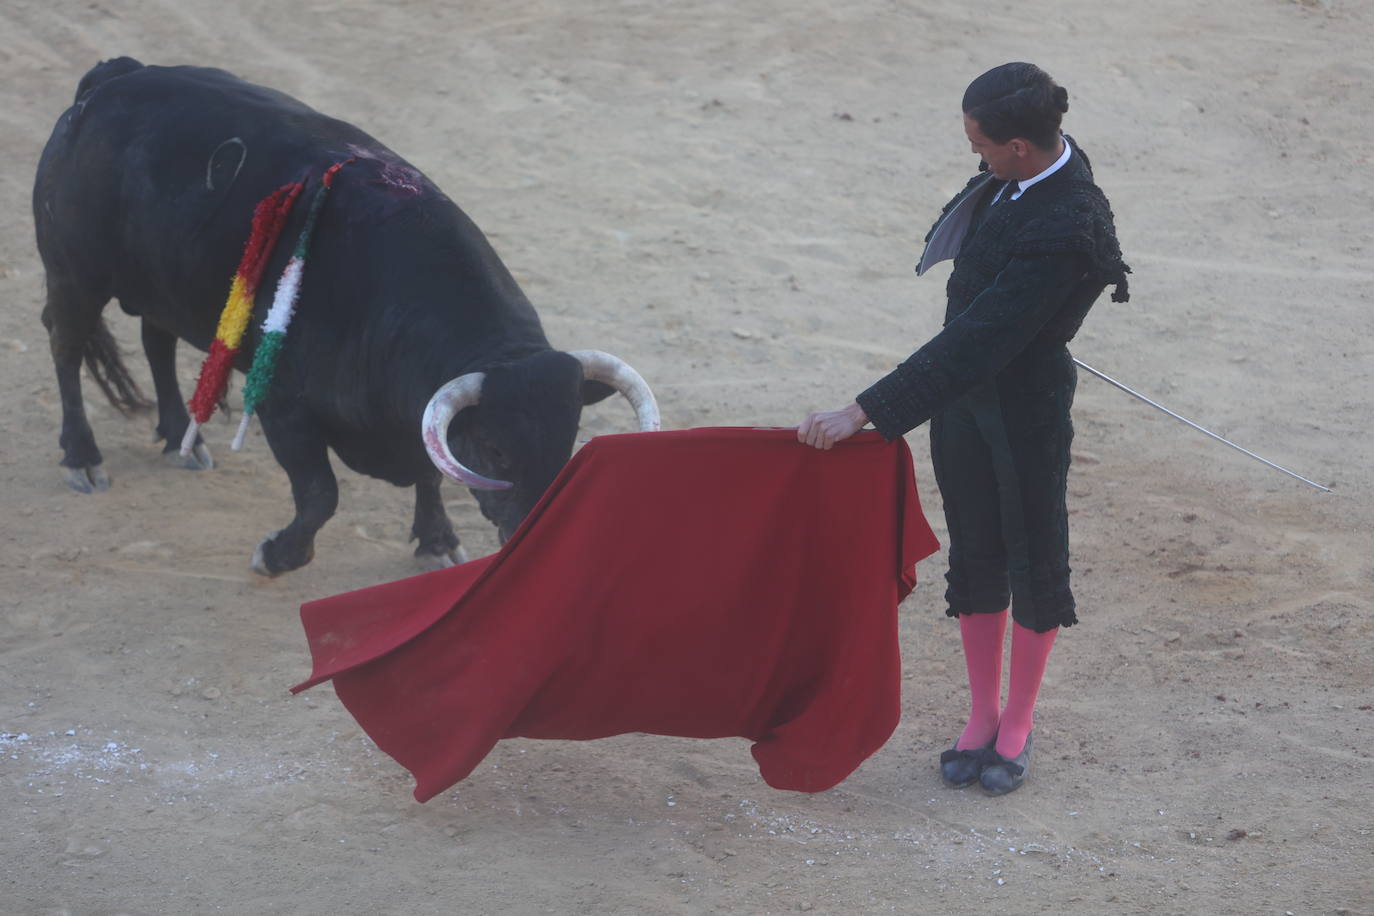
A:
(1001, 775)
(961, 768)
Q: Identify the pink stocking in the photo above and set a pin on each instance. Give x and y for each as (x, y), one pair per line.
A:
(982, 635)
(1029, 653)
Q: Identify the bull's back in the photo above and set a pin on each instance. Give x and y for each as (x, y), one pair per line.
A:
(147, 186)
(164, 123)
(147, 191)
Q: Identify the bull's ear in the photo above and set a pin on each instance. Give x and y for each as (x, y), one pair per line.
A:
(595, 391)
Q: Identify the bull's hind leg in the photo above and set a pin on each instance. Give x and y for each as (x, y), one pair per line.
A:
(160, 347)
(300, 449)
(73, 320)
(439, 546)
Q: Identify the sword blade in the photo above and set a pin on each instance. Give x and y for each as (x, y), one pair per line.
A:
(1111, 381)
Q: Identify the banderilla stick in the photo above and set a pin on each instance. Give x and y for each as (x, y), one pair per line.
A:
(1111, 381)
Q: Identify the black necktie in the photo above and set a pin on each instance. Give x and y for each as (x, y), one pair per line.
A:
(1011, 188)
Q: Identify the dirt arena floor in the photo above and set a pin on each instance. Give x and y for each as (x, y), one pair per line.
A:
(731, 195)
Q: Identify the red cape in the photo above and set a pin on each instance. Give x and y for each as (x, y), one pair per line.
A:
(705, 583)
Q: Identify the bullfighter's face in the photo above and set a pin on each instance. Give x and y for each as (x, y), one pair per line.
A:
(1005, 160)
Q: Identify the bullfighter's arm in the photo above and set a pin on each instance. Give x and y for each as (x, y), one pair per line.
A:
(975, 345)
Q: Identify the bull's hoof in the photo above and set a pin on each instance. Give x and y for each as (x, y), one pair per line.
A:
(260, 557)
(269, 561)
(92, 479)
(447, 559)
(200, 458)
(272, 556)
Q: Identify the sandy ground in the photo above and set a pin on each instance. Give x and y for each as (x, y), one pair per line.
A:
(731, 196)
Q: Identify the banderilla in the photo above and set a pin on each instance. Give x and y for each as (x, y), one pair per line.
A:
(1111, 381)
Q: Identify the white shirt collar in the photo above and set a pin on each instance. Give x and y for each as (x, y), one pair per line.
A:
(1058, 164)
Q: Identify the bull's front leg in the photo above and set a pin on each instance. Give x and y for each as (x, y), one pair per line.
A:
(300, 449)
(439, 547)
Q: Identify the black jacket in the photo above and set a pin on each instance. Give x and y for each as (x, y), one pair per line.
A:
(1026, 274)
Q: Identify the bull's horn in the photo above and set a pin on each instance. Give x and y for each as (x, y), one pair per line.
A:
(620, 375)
(464, 391)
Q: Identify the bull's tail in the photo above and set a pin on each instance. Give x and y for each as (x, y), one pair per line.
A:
(107, 368)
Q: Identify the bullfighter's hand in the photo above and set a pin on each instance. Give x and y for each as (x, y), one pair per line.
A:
(824, 428)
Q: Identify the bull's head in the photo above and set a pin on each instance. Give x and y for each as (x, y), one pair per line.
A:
(524, 432)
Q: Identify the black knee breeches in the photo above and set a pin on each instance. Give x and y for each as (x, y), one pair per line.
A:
(1001, 459)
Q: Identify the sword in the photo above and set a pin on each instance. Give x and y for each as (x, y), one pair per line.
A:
(1111, 381)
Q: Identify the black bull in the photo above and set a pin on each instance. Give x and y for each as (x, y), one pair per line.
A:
(145, 194)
